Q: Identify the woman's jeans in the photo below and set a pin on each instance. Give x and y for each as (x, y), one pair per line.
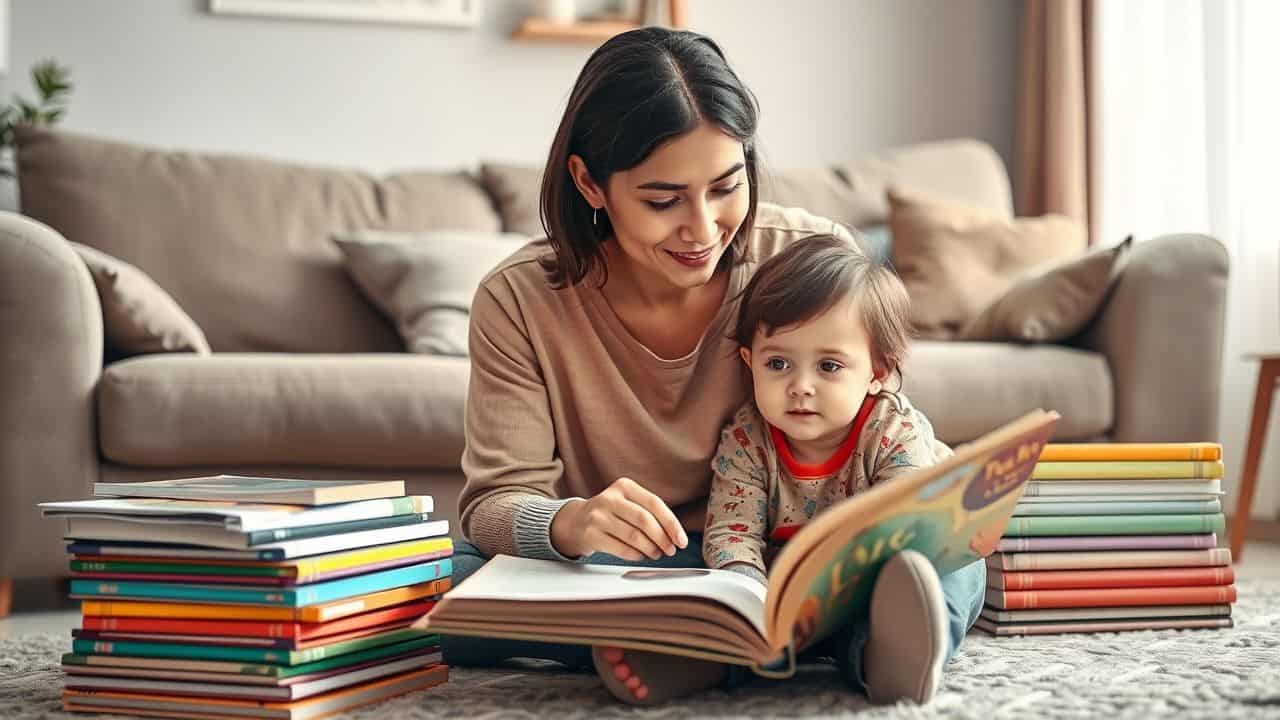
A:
(963, 590)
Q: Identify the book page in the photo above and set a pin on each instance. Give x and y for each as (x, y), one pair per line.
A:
(524, 579)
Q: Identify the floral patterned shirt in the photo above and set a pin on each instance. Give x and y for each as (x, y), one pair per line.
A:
(761, 495)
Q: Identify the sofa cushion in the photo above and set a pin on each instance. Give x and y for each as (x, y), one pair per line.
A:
(243, 244)
(356, 410)
(955, 259)
(967, 389)
(138, 316)
(516, 191)
(1053, 305)
(963, 171)
(424, 282)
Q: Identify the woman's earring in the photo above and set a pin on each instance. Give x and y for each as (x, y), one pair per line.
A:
(595, 216)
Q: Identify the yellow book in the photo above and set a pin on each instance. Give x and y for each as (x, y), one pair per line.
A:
(307, 567)
(1075, 452)
(311, 613)
(1127, 470)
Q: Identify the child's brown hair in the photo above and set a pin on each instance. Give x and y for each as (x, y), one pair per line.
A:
(813, 274)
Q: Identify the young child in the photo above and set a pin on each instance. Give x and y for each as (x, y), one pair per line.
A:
(823, 330)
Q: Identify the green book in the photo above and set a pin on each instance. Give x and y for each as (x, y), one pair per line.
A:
(1098, 506)
(242, 654)
(262, 669)
(1114, 525)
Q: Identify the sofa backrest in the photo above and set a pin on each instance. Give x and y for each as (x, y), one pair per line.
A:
(243, 244)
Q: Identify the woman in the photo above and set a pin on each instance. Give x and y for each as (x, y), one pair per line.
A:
(602, 370)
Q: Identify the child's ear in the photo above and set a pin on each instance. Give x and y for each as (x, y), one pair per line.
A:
(745, 354)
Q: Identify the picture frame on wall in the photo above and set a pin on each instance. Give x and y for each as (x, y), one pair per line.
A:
(454, 13)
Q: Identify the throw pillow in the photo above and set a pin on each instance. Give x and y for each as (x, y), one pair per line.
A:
(1053, 305)
(138, 316)
(955, 259)
(424, 282)
(516, 190)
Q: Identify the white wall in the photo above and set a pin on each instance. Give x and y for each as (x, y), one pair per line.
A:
(834, 78)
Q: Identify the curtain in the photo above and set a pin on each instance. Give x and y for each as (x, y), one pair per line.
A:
(1189, 141)
(1052, 159)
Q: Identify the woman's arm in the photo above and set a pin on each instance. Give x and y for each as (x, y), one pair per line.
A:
(509, 459)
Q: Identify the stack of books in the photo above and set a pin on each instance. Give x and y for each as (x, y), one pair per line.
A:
(251, 597)
(1111, 537)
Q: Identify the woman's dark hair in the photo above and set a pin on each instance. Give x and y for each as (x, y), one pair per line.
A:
(813, 274)
(638, 90)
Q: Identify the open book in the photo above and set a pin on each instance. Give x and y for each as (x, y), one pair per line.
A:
(953, 513)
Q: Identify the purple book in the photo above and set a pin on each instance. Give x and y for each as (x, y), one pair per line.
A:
(1107, 542)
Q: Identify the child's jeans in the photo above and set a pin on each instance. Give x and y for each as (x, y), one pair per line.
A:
(963, 590)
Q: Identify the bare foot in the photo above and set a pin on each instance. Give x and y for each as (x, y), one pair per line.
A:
(646, 678)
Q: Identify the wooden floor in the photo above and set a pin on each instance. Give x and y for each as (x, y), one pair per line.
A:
(39, 612)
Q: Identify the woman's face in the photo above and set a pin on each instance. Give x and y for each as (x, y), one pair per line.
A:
(675, 214)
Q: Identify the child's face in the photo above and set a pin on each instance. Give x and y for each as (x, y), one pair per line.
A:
(810, 379)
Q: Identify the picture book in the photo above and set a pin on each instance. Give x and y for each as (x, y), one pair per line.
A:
(953, 513)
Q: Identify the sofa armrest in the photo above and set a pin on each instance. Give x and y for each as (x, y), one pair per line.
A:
(50, 360)
(1161, 331)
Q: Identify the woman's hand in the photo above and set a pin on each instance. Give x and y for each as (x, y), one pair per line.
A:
(624, 520)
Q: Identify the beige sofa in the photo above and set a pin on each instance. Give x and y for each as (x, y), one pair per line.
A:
(307, 379)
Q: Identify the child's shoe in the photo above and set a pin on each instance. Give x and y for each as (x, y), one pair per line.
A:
(907, 632)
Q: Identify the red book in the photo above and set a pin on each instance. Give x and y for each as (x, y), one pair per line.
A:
(1125, 578)
(1111, 597)
(250, 628)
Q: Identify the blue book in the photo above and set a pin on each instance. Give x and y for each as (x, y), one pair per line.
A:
(287, 597)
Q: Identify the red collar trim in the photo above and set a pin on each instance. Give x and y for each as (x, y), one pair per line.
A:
(802, 471)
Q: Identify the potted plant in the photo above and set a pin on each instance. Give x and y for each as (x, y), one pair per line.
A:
(53, 87)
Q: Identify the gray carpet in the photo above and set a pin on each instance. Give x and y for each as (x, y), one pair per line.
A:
(1185, 674)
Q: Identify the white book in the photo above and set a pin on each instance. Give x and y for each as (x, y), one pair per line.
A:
(1050, 499)
(94, 529)
(240, 517)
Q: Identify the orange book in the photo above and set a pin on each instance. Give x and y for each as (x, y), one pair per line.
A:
(1110, 597)
(241, 628)
(1066, 452)
(322, 612)
(1123, 578)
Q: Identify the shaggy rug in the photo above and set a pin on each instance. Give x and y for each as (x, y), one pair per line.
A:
(1232, 673)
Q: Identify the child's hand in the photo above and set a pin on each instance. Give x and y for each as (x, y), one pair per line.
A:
(624, 520)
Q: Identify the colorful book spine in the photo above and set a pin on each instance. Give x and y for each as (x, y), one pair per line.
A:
(1114, 525)
(262, 537)
(1120, 487)
(1127, 469)
(323, 612)
(1076, 452)
(1106, 542)
(1109, 559)
(1158, 507)
(1133, 612)
(1110, 597)
(244, 654)
(1124, 578)
(247, 628)
(296, 597)
(257, 669)
(1100, 626)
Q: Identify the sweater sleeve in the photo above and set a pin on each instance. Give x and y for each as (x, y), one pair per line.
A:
(738, 507)
(902, 440)
(510, 462)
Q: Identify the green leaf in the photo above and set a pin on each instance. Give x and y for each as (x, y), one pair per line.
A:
(30, 113)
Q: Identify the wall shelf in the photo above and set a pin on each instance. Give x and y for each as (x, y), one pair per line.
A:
(596, 31)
